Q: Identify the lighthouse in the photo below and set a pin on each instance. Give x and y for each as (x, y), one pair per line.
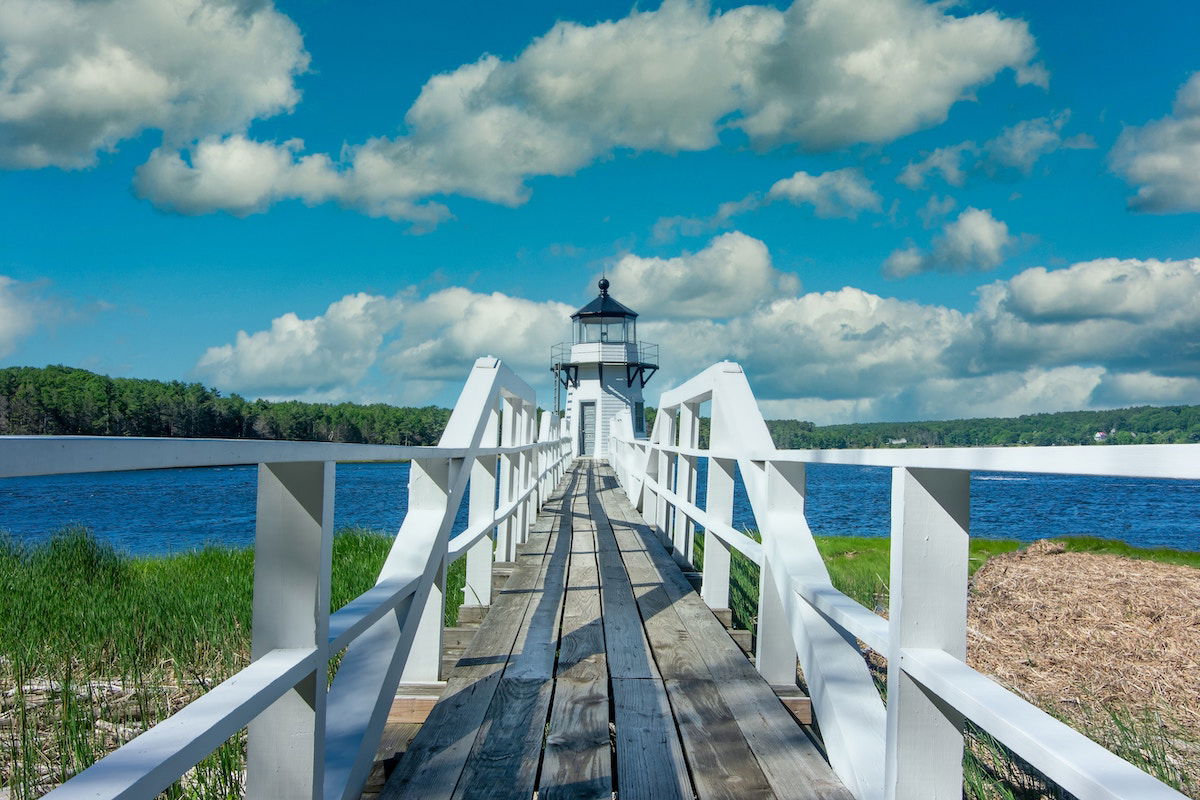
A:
(603, 370)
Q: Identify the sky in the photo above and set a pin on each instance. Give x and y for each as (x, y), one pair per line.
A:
(883, 209)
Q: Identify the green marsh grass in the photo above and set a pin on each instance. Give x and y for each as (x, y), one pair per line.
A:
(96, 645)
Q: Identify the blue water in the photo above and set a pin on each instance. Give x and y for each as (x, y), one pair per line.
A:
(166, 511)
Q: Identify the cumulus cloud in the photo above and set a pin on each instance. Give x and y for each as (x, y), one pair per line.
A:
(839, 193)
(1020, 146)
(946, 160)
(324, 352)
(444, 333)
(730, 276)
(235, 174)
(975, 240)
(423, 339)
(1162, 158)
(823, 74)
(80, 76)
(1016, 149)
(18, 313)
(1095, 334)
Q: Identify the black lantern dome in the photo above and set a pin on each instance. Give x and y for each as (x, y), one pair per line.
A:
(605, 320)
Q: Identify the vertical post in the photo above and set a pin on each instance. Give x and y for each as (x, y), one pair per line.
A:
(775, 652)
(434, 477)
(928, 609)
(718, 504)
(506, 537)
(662, 520)
(685, 477)
(293, 545)
(482, 507)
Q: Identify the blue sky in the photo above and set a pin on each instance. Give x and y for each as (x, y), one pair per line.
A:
(883, 209)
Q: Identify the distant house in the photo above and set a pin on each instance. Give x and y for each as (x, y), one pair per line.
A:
(897, 441)
(1100, 436)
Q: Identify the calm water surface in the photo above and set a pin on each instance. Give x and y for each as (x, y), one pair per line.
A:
(167, 511)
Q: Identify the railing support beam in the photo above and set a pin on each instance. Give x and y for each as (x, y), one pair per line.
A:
(293, 545)
(928, 609)
(714, 587)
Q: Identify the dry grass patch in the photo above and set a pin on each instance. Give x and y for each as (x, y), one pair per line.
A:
(1110, 644)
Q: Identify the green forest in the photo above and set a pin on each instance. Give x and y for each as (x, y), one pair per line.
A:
(65, 400)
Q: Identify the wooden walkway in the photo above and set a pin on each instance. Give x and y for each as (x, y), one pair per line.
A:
(599, 672)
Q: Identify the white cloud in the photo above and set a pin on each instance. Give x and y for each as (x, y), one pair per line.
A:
(18, 313)
(975, 240)
(946, 160)
(237, 175)
(730, 276)
(1017, 148)
(1095, 334)
(824, 74)
(329, 351)
(838, 193)
(1162, 158)
(445, 332)
(846, 71)
(936, 208)
(80, 76)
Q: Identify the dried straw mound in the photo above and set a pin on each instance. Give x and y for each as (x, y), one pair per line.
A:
(1076, 629)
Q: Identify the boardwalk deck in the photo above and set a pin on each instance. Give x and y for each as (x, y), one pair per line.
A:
(599, 670)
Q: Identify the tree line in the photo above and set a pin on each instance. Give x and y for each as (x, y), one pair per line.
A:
(65, 400)
(59, 400)
(1140, 425)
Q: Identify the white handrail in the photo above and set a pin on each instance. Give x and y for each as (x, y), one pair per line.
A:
(305, 740)
(911, 747)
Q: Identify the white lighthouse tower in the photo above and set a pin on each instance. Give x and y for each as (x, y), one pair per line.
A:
(604, 369)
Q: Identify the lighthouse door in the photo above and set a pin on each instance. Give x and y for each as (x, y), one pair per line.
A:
(587, 429)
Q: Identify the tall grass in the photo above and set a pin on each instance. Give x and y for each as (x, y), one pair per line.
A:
(96, 645)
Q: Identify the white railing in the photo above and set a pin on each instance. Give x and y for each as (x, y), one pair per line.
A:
(306, 740)
(910, 748)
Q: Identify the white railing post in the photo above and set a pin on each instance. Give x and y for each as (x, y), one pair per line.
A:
(293, 545)
(685, 478)
(528, 475)
(506, 541)
(482, 506)
(718, 504)
(775, 651)
(662, 518)
(928, 609)
(424, 663)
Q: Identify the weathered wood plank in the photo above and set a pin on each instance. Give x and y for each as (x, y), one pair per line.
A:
(723, 767)
(650, 762)
(437, 756)
(629, 654)
(504, 760)
(791, 762)
(577, 762)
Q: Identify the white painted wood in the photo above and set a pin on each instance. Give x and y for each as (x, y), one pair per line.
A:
(292, 595)
(718, 506)
(775, 651)
(1067, 757)
(685, 478)
(845, 613)
(362, 612)
(928, 609)
(845, 701)
(482, 512)
(824, 622)
(154, 760)
(292, 549)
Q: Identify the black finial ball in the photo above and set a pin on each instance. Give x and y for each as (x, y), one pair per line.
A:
(603, 285)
